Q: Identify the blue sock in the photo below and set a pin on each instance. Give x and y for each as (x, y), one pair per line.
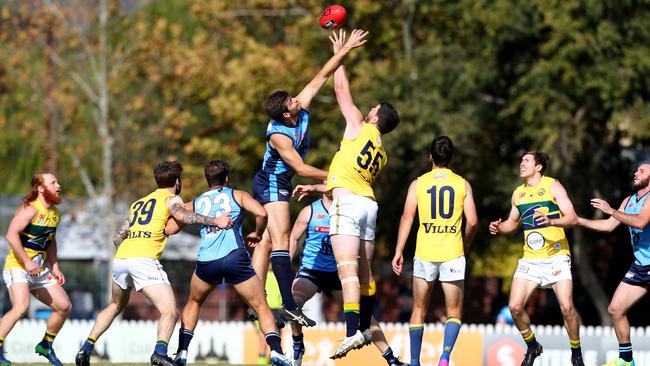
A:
(89, 345)
(273, 340)
(282, 271)
(161, 347)
(388, 356)
(416, 331)
(452, 327)
(625, 351)
(184, 339)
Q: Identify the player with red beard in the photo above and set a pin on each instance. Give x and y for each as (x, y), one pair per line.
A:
(31, 265)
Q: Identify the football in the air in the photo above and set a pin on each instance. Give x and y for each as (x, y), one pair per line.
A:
(332, 17)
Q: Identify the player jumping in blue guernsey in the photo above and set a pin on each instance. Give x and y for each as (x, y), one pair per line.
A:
(222, 257)
(318, 273)
(287, 142)
(635, 213)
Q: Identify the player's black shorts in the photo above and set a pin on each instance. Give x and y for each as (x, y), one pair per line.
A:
(271, 187)
(325, 281)
(232, 269)
(637, 275)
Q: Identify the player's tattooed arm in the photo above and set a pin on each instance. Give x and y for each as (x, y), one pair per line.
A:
(180, 213)
(121, 233)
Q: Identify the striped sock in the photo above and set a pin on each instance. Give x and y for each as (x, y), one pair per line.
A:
(161, 347)
(576, 350)
(625, 351)
(416, 331)
(389, 356)
(452, 327)
(2, 343)
(273, 340)
(48, 339)
(89, 345)
(530, 340)
(351, 315)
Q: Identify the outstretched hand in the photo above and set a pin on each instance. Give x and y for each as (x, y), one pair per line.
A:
(602, 205)
(338, 40)
(303, 190)
(357, 39)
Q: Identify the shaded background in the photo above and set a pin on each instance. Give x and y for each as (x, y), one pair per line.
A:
(100, 91)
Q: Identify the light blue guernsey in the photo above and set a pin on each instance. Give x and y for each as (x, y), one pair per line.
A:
(217, 243)
(273, 163)
(316, 250)
(640, 237)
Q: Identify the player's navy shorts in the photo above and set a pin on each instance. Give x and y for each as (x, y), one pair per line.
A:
(637, 275)
(232, 269)
(325, 281)
(271, 187)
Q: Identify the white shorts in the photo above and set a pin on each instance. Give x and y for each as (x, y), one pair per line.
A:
(545, 272)
(453, 270)
(138, 272)
(18, 275)
(353, 215)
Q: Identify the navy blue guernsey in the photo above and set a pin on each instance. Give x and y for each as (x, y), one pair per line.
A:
(316, 250)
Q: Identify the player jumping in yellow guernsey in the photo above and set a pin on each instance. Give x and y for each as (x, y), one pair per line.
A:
(140, 242)
(353, 213)
(31, 265)
(441, 198)
(544, 208)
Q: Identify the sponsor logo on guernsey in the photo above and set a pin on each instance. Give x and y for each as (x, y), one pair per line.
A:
(320, 216)
(322, 229)
(629, 275)
(557, 246)
(535, 240)
(541, 191)
(522, 194)
(284, 192)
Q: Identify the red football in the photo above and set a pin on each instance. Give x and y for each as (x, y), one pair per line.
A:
(332, 17)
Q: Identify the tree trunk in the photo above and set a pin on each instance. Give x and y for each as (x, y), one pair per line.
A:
(588, 277)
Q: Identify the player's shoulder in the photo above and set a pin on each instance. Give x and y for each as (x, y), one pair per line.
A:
(29, 209)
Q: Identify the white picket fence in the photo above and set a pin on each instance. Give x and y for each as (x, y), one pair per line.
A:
(133, 341)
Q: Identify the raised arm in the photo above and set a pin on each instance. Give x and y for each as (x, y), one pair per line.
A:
(180, 213)
(248, 203)
(299, 228)
(510, 225)
(357, 39)
(284, 147)
(23, 217)
(569, 217)
(471, 217)
(604, 225)
(638, 221)
(405, 223)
